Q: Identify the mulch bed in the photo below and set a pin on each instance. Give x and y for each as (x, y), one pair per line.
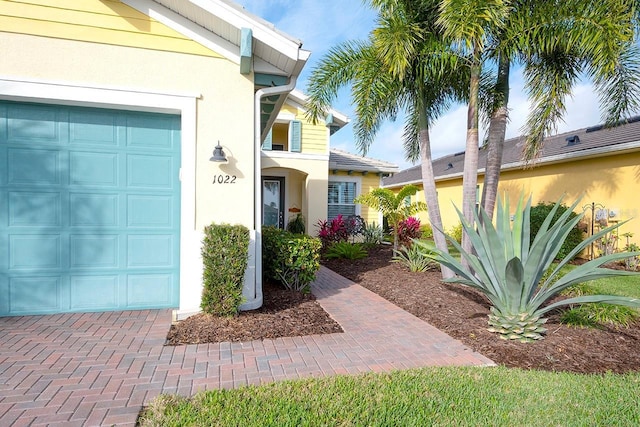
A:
(461, 312)
(284, 313)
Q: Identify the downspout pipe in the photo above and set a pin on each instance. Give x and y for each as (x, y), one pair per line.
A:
(269, 91)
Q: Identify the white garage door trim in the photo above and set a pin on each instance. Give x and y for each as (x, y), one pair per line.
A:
(61, 93)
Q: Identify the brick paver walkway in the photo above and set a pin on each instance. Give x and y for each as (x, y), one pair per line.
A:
(100, 368)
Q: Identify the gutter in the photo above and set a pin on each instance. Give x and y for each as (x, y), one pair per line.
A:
(257, 170)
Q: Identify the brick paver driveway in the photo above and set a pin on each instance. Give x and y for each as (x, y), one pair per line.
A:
(101, 368)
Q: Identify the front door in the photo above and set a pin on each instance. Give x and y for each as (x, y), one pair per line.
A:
(273, 201)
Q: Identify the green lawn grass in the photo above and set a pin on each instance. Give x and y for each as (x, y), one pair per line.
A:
(419, 397)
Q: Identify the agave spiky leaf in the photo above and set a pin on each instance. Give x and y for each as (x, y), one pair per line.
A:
(509, 269)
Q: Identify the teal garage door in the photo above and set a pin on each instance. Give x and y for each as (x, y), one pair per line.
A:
(89, 209)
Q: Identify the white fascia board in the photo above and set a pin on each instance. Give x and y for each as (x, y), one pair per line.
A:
(187, 27)
(261, 31)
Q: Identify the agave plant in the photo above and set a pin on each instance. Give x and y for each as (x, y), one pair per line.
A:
(510, 270)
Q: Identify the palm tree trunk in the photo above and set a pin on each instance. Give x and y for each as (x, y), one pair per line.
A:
(497, 131)
(470, 173)
(430, 192)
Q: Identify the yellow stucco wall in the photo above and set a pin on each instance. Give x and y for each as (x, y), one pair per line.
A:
(612, 181)
(159, 71)
(105, 21)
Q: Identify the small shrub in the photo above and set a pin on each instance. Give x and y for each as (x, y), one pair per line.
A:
(332, 231)
(340, 229)
(373, 235)
(456, 233)
(225, 251)
(426, 231)
(291, 259)
(538, 215)
(346, 250)
(596, 315)
(296, 225)
(408, 230)
(413, 258)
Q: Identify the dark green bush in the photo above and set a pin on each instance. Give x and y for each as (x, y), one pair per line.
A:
(225, 250)
(538, 215)
(291, 259)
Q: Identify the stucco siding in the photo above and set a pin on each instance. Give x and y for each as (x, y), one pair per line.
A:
(107, 21)
(612, 181)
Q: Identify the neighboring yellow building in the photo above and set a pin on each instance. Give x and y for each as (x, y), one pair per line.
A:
(600, 165)
(128, 126)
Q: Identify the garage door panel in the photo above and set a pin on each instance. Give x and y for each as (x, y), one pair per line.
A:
(34, 124)
(151, 172)
(150, 211)
(35, 251)
(94, 251)
(150, 251)
(30, 208)
(142, 289)
(93, 169)
(93, 128)
(94, 292)
(34, 166)
(40, 294)
(95, 211)
(146, 131)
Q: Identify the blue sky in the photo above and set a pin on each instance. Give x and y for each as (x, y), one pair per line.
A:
(324, 24)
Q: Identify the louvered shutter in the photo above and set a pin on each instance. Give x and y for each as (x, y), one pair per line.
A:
(295, 136)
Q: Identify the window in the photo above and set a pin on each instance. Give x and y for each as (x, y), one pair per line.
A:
(341, 195)
(284, 137)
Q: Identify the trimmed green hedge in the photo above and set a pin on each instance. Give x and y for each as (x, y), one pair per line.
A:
(225, 251)
(291, 259)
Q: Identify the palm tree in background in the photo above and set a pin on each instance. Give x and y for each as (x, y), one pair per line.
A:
(556, 42)
(403, 66)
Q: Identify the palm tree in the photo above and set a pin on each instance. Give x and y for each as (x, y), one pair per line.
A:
(403, 66)
(393, 206)
(556, 42)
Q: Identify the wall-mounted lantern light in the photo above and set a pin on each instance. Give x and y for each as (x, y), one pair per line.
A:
(218, 154)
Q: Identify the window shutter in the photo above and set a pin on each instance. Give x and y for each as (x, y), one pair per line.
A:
(295, 136)
(266, 145)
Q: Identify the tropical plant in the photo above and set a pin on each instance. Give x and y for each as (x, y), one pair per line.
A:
(427, 231)
(372, 234)
(346, 250)
(393, 206)
(404, 65)
(332, 231)
(557, 42)
(513, 272)
(409, 229)
(414, 258)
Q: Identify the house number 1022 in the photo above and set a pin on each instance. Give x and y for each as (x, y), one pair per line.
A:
(224, 179)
